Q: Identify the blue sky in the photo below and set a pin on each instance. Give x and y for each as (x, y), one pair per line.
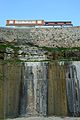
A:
(54, 10)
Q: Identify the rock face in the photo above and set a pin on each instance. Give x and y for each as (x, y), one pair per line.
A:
(34, 89)
(39, 89)
(1, 93)
(32, 82)
(72, 83)
(9, 89)
(12, 80)
(49, 37)
(57, 99)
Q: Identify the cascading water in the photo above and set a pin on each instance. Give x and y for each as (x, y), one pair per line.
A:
(34, 89)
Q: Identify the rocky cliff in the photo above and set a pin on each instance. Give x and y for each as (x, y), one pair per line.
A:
(33, 80)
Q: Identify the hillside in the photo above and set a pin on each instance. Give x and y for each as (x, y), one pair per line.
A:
(49, 37)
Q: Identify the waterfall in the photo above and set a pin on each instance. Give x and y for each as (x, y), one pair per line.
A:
(34, 89)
